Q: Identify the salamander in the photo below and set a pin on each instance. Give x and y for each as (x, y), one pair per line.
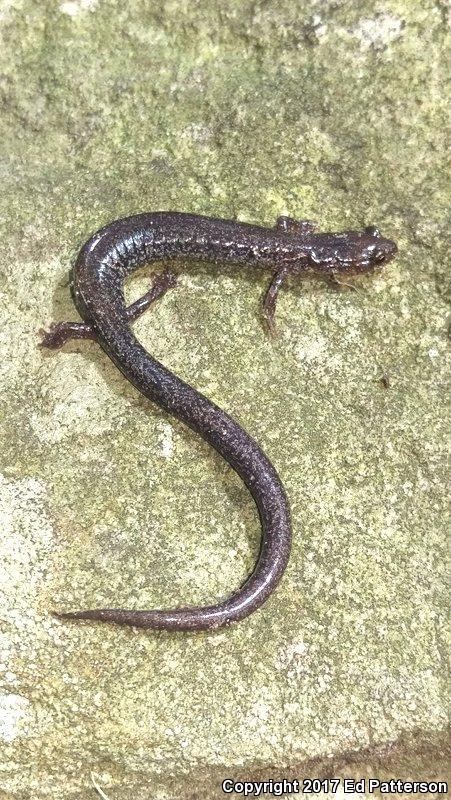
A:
(107, 259)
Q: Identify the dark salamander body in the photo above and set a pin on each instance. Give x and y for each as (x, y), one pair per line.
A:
(105, 262)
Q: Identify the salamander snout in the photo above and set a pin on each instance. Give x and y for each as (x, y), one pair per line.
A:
(349, 252)
(378, 252)
(377, 249)
(364, 251)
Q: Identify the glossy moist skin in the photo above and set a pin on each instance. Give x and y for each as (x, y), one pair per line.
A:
(105, 262)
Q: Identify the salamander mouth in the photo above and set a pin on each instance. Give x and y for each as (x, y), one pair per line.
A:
(374, 261)
(355, 267)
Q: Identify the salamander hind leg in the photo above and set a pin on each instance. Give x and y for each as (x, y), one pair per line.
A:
(299, 227)
(167, 280)
(61, 332)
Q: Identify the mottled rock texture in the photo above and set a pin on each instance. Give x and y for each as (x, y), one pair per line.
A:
(332, 111)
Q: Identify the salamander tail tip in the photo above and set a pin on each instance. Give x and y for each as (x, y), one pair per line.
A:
(66, 614)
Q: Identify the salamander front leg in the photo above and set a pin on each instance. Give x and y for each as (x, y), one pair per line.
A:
(270, 298)
(61, 332)
(299, 227)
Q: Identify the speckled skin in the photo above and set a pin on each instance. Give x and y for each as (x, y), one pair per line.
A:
(102, 266)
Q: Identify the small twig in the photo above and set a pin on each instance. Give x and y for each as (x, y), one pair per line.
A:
(336, 282)
(98, 789)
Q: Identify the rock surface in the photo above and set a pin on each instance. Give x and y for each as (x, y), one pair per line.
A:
(335, 112)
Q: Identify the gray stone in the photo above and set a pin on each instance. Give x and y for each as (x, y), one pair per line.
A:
(335, 112)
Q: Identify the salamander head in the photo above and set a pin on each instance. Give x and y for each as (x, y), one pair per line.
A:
(352, 252)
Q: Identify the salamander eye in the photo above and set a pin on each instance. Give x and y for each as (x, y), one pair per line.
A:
(372, 230)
